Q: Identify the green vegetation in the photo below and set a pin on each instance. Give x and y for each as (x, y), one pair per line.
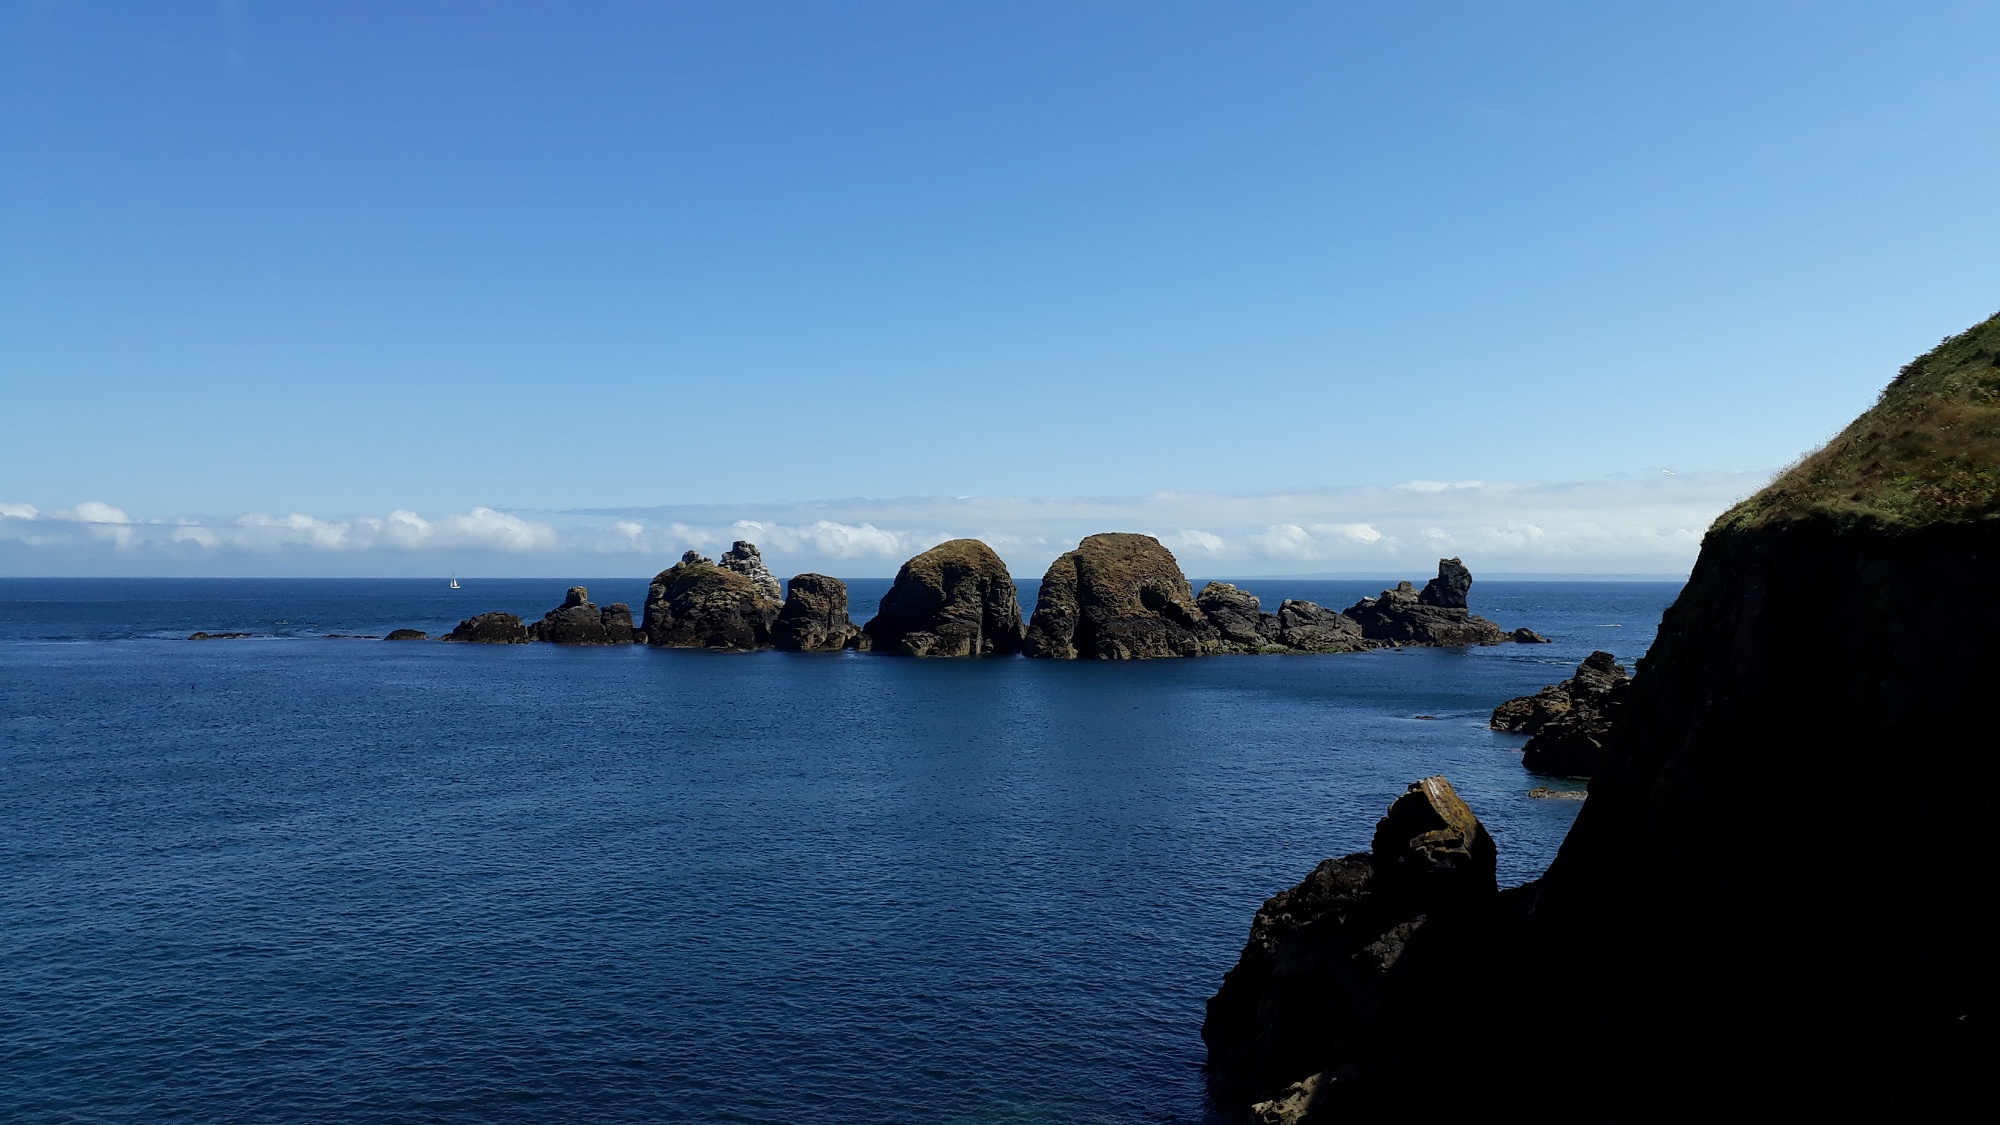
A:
(1927, 451)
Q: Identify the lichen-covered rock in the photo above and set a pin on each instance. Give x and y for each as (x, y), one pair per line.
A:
(1594, 679)
(955, 599)
(1118, 596)
(1436, 616)
(579, 621)
(490, 629)
(743, 558)
(1312, 974)
(407, 635)
(697, 604)
(814, 617)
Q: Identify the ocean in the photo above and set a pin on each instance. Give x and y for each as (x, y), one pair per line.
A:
(302, 879)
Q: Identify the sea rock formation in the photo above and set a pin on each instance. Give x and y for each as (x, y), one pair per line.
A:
(489, 629)
(579, 621)
(1118, 596)
(1527, 636)
(743, 558)
(1310, 627)
(1241, 625)
(407, 635)
(1238, 618)
(1314, 971)
(1773, 904)
(1437, 615)
(814, 616)
(955, 599)
(698, 604)
(217, 636)
(1594, 679)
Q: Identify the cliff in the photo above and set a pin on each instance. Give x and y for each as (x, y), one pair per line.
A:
(1772, 903)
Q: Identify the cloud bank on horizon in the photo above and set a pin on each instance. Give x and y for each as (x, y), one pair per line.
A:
(1648, 523)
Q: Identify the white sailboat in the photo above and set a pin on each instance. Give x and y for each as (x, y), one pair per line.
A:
(454, 582)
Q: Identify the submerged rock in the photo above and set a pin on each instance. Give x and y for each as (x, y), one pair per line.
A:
(579, 621)
(697, 604)
(814, 617)
(955, 599)
(1118, 596)
(1435, 616)
(217, 636)
(407, 635)
(1594, 679)
(489, 629)
(1313, 973)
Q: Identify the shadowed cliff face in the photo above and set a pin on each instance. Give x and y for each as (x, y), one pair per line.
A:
(1773, 901)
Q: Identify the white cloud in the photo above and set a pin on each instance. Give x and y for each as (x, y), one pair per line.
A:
(1640, 522)
(93, 511)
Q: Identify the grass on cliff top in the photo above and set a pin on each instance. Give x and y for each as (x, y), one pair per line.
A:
(1928, 450)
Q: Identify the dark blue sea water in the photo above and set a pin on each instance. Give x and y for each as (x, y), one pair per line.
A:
(299, 879)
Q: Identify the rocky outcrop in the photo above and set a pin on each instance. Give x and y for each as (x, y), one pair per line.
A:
(489, 629)
(814, 616)
(1436, 615)
(579, 621)
(1773, 904)
(1308, 627)
(217, 636)
(1118, 596)
(1314, 972)
(407, 635)
(743, 558)
(955, 599)
(698, 604)
(1242, 626)
(1594, 679)
(1570, 721)
(1527, 636)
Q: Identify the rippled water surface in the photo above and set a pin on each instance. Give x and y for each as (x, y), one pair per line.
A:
(291, 878)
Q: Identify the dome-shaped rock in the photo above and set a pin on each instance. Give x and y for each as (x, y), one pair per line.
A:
(1118, 596)
(955, 599)
(814, 617)
(697, 604)
(490, 629)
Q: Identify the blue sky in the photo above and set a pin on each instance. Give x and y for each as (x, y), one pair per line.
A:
(327, 262)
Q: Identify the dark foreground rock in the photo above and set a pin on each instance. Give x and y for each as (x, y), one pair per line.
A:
(1773, 905)
(580, 621)
(955, 599)
(489, 629)
(697, 604)
(1313, 973)
(1118, 596)
(1436, 615)
(814, 617)
(407, 635)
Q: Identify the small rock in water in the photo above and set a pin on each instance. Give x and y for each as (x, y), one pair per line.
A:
(1544, 794)
(407, 635)
(215, 636)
